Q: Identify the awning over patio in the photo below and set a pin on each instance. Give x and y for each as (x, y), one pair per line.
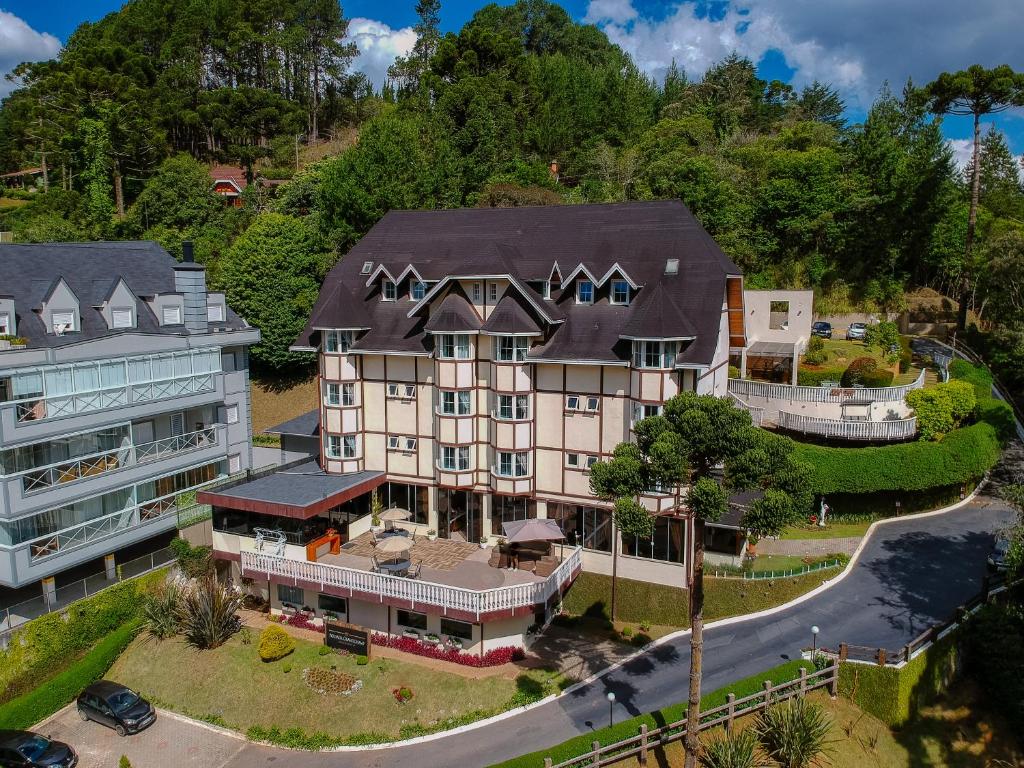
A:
(301, 492)
(772, 349)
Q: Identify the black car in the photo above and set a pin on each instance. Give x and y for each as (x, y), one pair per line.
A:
(823, 329)
(24, 748)
(116, 707)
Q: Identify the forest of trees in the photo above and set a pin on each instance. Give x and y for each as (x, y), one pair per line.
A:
(125, 119)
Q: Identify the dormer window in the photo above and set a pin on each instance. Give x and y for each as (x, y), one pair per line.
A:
(476, 293)
(215, 313)
(390, 290)
(620, 292)
(63, 322)
(417, 290)
(584, 292)
(122, 318)
(338, 342)
(171, 315)
(654, 354)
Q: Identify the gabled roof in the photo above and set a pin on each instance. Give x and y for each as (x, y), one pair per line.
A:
(510, 318)
(344, 312)
(657, 316)
(453, 315)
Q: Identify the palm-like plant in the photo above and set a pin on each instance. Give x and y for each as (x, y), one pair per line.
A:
(794, 734)
(161, 610)
(737, 750)
(208, 613)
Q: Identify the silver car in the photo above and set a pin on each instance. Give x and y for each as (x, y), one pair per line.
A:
(856, 332)
(997, 558)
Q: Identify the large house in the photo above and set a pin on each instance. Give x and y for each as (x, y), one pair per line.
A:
(474, 365)
(123, 384)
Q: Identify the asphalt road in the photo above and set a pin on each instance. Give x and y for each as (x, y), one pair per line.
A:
(912, 573)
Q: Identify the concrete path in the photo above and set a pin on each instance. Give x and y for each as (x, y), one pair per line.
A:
(911, 574)
(808, 547)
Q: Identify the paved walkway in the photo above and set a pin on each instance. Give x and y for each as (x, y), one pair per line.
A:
(813, 547)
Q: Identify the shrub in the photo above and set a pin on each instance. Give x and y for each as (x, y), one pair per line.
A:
(124, 762)
(857, 370)
(275, 643)
(403, 694)
(161, 610)
(734, 372)
(286, 668)
(736, 750)
(962, 398)
(302, 622)
(492, 658)
(208, 613)
(880, 377)
(885, 337)
(194, 562)
(793, 734)
(809, 378)
(362, 661)
(816, 344)
(934, 411)
(815, 358)
(323, 650)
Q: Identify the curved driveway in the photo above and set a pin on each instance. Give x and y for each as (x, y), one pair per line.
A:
(911, 574)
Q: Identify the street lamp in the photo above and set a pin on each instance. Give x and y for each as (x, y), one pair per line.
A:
(814, 641)
(611, 708)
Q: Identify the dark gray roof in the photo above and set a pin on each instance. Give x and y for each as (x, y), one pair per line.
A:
(30, 271)
(525, 244)
(511, 317)
(304, 425)
(453, 315)
(657, 316)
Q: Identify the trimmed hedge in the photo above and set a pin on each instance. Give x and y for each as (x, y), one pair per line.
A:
(808, 378)
(580, 745)
(25, 711)
(893, 695)
(45, 645)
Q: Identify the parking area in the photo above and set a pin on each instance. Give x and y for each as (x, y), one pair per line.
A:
(169, 742)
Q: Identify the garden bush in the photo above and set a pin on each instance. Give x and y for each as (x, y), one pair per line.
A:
(492, 658)
(809, 378)
(275, 643)
(856, 371)
(934, 411)
(27, 710)
(194, 562)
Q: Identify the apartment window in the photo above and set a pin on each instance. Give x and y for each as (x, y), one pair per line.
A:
(390, 290)
(654, 354)
(591, 461)
(460, 629)
(334, 446)
(65, 321)
(589, 527)
(454, 346)
(348, 446)
(171, 315)
(666, 542)
(5, 323)
(290, 595)
(507, 509)
(348, 394)
(572, 460)
(215, 313)
(593, 403)
(231, 414)
(418, 290)
(513, 464)
(410, 443)
(572, 402)
(513, 407)
(620, 292)
(584, 292)
(121, 318)
(512, 348)
(404, 391)
(334, 394)
(332, 604)
(455, 402)
(338, 341)
(234, 464)
(412, 619)
(476, 293)
(393, 442)
(643, 410)
(455, 458)
(492, 291)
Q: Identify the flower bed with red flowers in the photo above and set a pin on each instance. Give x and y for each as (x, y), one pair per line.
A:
(301, 622)
(492, 658)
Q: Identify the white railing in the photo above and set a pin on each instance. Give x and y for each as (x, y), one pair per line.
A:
(116, 458)
(745, 388)
(847, 429)
(756, 412)
(477, 602)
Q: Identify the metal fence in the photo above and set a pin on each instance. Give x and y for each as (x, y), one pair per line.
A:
(738, 573)
(13, 617)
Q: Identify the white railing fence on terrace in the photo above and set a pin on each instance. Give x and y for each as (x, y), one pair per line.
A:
(849, 429)
(747, 388)
(756, 412)
(478, 602)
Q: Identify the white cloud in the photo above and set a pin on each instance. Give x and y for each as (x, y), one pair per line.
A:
(379, 45)
(18, 43)
(963, 149)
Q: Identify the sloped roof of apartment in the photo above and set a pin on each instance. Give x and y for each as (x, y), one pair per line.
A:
(29, 272)
(511, 317)
(631, 240)
(304, 425)
(453, 315)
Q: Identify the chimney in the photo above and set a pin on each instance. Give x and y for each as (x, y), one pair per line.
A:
(190, 282)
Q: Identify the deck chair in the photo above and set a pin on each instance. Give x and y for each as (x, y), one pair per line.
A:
(414, 570)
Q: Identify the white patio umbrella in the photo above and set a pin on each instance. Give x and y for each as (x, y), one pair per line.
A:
(396, 513)
(394, 544)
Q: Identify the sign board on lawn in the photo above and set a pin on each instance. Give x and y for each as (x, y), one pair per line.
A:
(347, 637)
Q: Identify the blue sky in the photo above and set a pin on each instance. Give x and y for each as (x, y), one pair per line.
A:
(856, 45)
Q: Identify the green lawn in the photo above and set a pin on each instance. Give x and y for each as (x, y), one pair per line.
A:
(830, 531)
(231, 686)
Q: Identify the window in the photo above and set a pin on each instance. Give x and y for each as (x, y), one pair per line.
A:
(505, 464)
(584, 292)
(417, 290)
(589, 527)
(234, 464)
(215, 313)
(455, 458)
(412, 619)
(338, 341)
(332, 604)
(334, 394)
(171, 315)
(654, 354)
(290, 595)
(506, 509)
(65, 321)
(666, 542)
(512, 348)
(410, 443)
(334, 446)
(572, 459)
(513, 407)
(492, 291)
(454, 346)
(348, 446)
(348, 394)
(231, 414)
(591, 461)
(367, 267)
(620, 292)
(455, 402)
(121, 318)
(405, 391)
(593, 403)
(459, 629)
(778, 316)
(476, 293)
(393, 442)
(643, 410)
(389, 290)
(5, 323)
(572, 402)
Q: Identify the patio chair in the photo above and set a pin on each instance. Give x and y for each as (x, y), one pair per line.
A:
(373, 537)
(375, 563)
(414, 570)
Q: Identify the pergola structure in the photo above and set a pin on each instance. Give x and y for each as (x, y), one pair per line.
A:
(776, 361)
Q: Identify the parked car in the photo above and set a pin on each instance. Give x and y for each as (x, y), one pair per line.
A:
(24, 748)
(856, 332)
(997, 558)
(116, 706)
(823, 329)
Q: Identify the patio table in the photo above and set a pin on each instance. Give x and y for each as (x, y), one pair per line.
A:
(392, 532)
(395, 568)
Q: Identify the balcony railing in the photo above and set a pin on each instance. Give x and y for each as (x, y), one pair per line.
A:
(416, 592)
(756, 412)
(746, 388)
(97, 464)
(848, 429)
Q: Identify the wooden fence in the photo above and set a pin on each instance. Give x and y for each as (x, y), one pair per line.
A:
(639, 746)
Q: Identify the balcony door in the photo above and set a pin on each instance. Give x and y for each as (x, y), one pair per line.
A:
(459, 515)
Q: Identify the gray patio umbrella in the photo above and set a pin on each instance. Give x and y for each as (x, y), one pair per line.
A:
(519, 531)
